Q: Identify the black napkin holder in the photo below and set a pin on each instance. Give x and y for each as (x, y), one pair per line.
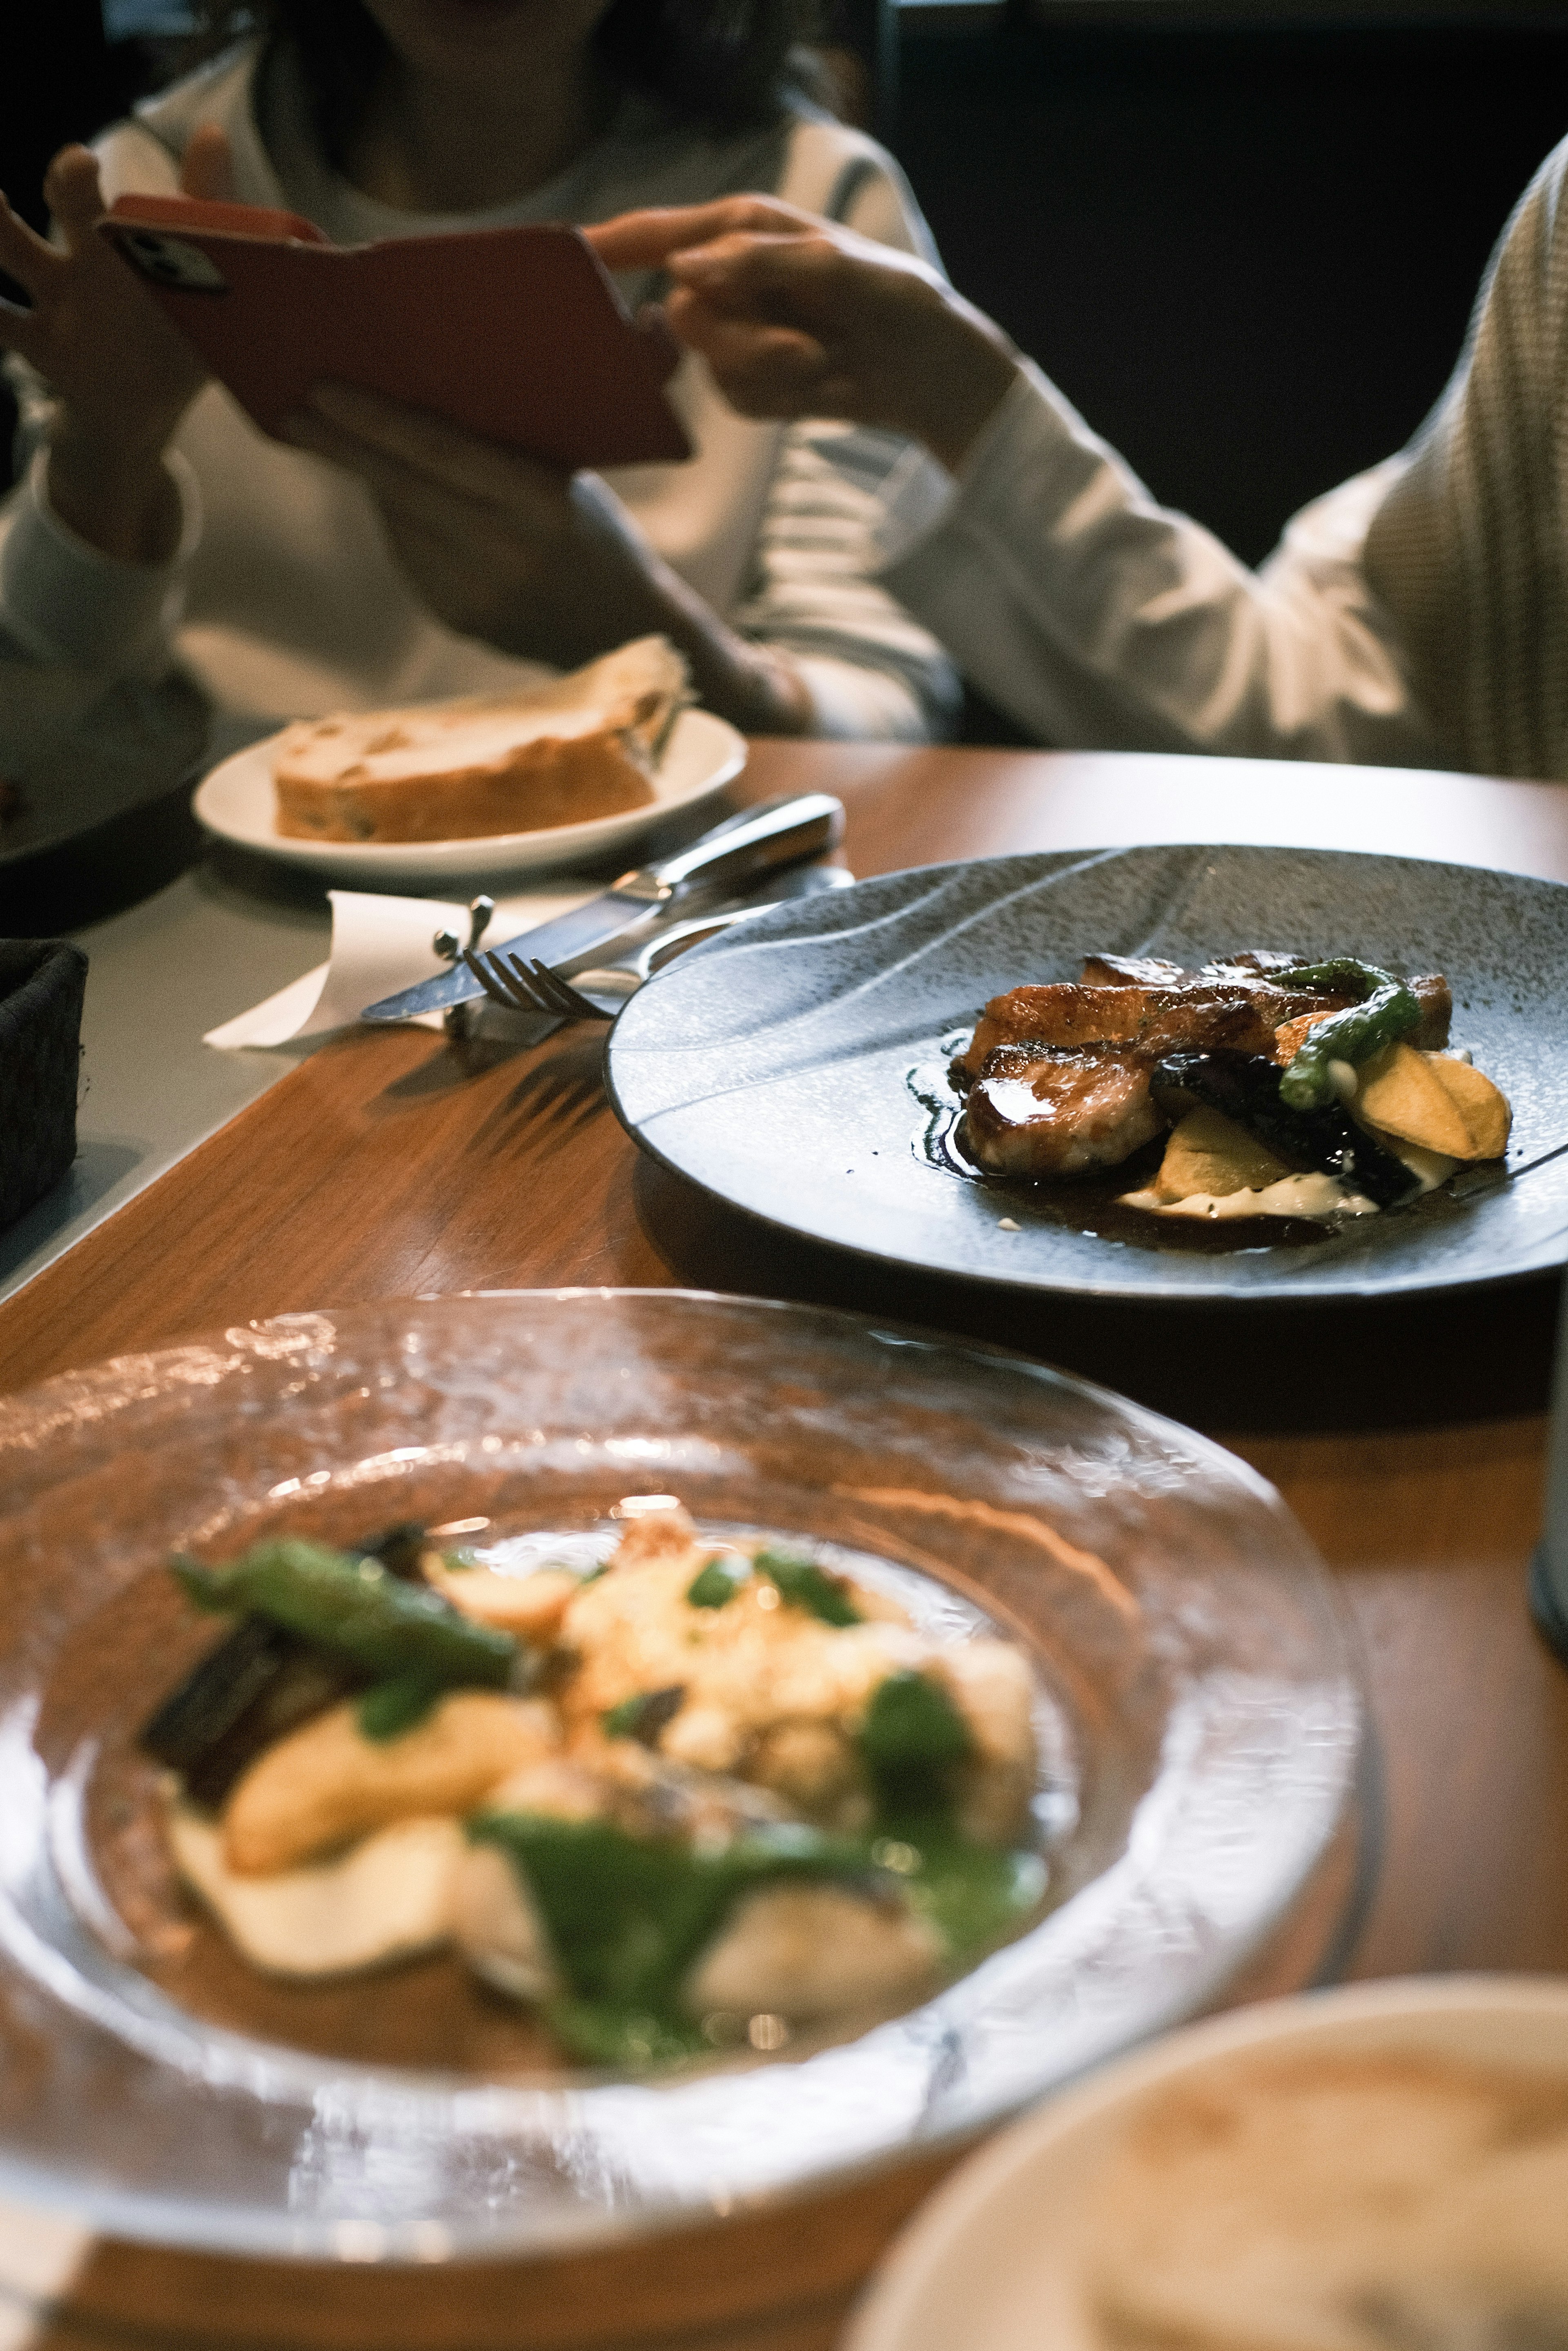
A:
(41, 984)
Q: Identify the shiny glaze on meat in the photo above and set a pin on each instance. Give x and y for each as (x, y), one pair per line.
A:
(1237, 1015)
(1056, 1075)
(1043, 1110)
(1206, 1016)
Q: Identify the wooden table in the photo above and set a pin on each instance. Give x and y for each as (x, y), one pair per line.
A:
(390, 1164)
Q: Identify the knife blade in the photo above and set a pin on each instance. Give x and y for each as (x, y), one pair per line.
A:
(759, 841)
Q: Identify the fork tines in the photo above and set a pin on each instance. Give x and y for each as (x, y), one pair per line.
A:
(522, 984)
(555, 994)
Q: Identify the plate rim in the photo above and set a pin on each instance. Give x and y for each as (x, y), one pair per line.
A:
(518, 851)
(1259, 1295)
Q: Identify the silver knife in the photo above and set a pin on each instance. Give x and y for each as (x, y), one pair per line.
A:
(733, 855)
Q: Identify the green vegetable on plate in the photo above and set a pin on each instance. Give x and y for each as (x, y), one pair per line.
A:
(1389, 1011)
(356, 1609)
(803, 1584)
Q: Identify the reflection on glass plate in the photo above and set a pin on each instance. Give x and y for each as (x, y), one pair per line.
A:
(1200, 1726)
(236, 802)
(793, 1070)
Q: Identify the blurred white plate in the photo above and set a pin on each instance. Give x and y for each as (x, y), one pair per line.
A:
(236, 802)
(993, 2257)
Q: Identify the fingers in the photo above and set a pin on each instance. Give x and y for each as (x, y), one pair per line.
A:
(646, 240)
(24, 254)
(421, 443)
(398, 489)
(207, 171)
(74, 195)
(435, 479)
(17, 332)
(763, 370)
(802, 281)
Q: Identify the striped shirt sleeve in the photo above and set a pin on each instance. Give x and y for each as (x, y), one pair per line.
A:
(871, 668)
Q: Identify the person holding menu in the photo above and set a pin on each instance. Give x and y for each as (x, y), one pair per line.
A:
(1416, 616)
(386, 556)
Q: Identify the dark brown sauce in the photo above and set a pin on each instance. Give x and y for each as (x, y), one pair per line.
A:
(1090, 1204)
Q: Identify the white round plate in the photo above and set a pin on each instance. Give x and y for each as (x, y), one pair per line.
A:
(993, 2257)
(236, 802)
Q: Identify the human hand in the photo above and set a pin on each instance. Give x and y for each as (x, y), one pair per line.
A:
(500, 546)
(121, 372)
(797, 317)
(528, 557)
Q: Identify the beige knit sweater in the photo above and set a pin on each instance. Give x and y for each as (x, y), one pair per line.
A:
(1468, 549)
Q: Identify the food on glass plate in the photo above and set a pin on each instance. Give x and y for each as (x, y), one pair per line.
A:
(1332, 2202)
(706, 1792)
(580, 746)
(1287, 1087)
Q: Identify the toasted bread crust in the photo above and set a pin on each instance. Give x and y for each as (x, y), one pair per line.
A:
(565, 752)
(548, 781)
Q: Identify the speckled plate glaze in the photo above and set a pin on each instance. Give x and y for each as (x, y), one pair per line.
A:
(773, 1067)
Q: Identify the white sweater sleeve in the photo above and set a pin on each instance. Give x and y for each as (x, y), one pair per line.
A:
(63, 600)
(872, 670)
(1101, 619)
(870, 667)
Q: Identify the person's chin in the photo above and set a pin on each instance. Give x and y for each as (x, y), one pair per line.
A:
(454, 20)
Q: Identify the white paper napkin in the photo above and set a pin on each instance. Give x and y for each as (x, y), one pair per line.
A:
(379, 946)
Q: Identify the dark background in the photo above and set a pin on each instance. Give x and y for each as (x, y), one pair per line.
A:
(1248, 253)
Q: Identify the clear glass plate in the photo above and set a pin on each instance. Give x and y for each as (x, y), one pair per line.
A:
(1200, 1726)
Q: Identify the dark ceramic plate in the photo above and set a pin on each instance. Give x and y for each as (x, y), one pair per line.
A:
(783, 1067)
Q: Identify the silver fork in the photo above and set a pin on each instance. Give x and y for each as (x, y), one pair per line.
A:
(524, 984)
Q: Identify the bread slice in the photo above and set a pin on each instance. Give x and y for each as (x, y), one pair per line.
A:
(580, 746)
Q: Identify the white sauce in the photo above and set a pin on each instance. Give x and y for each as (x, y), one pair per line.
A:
(1431, 1167)
(1319, 1198)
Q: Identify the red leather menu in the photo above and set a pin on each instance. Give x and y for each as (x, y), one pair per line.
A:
(516, 333)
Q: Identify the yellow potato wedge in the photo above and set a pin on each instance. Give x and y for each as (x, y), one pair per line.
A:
(1210, 1153)
(388, 1898)
(1432, 1100)
(529, 1606)
(328, 1783)
(1483, 1106)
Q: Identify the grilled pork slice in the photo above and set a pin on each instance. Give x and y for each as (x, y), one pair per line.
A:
(1196, 1016)
(1238, 1015)
(1043, 1110)
(1133, 971)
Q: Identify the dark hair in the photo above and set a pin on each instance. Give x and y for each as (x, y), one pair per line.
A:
(723, 65)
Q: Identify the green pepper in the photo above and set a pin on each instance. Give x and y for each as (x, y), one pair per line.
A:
(644, 1715)
(626, 1914)
(912, 1737)
(973, 1894)
(803, 1584)
(389, 1709)
(354, 1608)
(1389, 1011)
(715, 1584)
(627, 1917)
